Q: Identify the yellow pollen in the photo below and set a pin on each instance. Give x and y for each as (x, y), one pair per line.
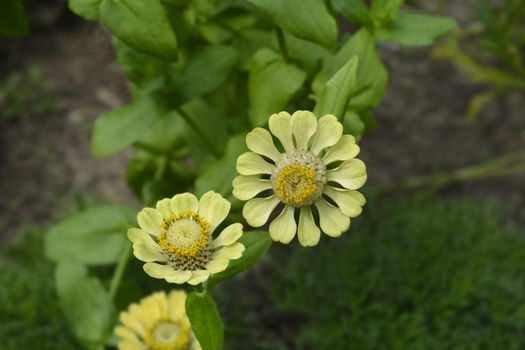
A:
(185, 234)
(167, 334)
(295, 184)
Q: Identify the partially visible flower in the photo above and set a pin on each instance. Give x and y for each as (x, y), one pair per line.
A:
(175, 239)
(158, 322)
(314, 167)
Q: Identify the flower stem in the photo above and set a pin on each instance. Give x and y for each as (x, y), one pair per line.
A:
(119, 270)
(282, 44)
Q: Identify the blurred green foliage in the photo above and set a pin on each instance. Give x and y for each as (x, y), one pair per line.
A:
(418, 273)
(30, 314)
(25, 93)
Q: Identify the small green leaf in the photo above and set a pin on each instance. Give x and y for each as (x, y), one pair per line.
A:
(416, 29)
(384, 11)
(85, 303)
(257, 244)
(272, 84)
(306, 19)
(355, 11)
(353, 125)
(13, 21)
(119, 128)
(205, 320)
(95, 236)
(371, 77)
(219, 176)
(205, 71)
(337, 91)
(143, 25)
(88, 9)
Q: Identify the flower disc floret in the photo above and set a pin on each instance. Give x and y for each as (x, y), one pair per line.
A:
(175, 239)
(157, 322)
(307, 165)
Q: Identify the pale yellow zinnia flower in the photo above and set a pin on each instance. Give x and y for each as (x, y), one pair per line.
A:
(158, 322)
(175, 238)
(314, 167)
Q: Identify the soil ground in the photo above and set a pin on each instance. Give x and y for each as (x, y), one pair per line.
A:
(46, 163)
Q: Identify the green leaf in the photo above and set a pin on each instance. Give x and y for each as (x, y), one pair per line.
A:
(353, 125)
(143, 25)
(371, 77)
(166, 135)
(205, 71)
(205, 320)
(337, 91)
(209, 124)
(257, 244)
(355, 11)
(88, 9)
(219, 176)
(119, 128)
(384, 11)
(272, 84)
(85, 303)
(13, 21)
(416, 29)
(306, 19)
(95, 236)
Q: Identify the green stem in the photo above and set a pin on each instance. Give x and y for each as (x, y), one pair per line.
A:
(206, 142)
(282, 44)
(119, 270)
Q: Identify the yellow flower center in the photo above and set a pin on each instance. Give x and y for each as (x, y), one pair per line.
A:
(299, 178)
(168, 335)
(184, 235)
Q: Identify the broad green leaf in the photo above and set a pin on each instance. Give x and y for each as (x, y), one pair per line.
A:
(119, 128)
(353, 125)
(166, 135)
(95, 236)
(337, 91)
(257, 244)
(415, 29)
(88, 9)
(143, 25)
(306, 19)
(272, 84)
(384, 11)
(306, 54)
(209, 124)
(371, 73)
(205, 320)
(219, 176)
(13, 21)
(85, 303)
(355, 11)
(206, 70)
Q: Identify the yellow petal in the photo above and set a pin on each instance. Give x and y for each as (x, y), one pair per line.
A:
(149, 220)
(217, 265)
(308, 232)
(247, 187)
(132, 323)
(177, 304)
(344, 149)
(214, 208)
(329, 131)
(184, 202)
(178, 277)
(250, 163)
(126, 333)
(167, 272)
(256, 211)
(195, 345)
(130, 345)
(304, 125)
(228, 236)
(198, 276)
(284, 227)
(231, 252)
(163, 206)
(351, 174)
(260, 141)
(144, 247)
(349, 201)
(281, 126)
(332, 221)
